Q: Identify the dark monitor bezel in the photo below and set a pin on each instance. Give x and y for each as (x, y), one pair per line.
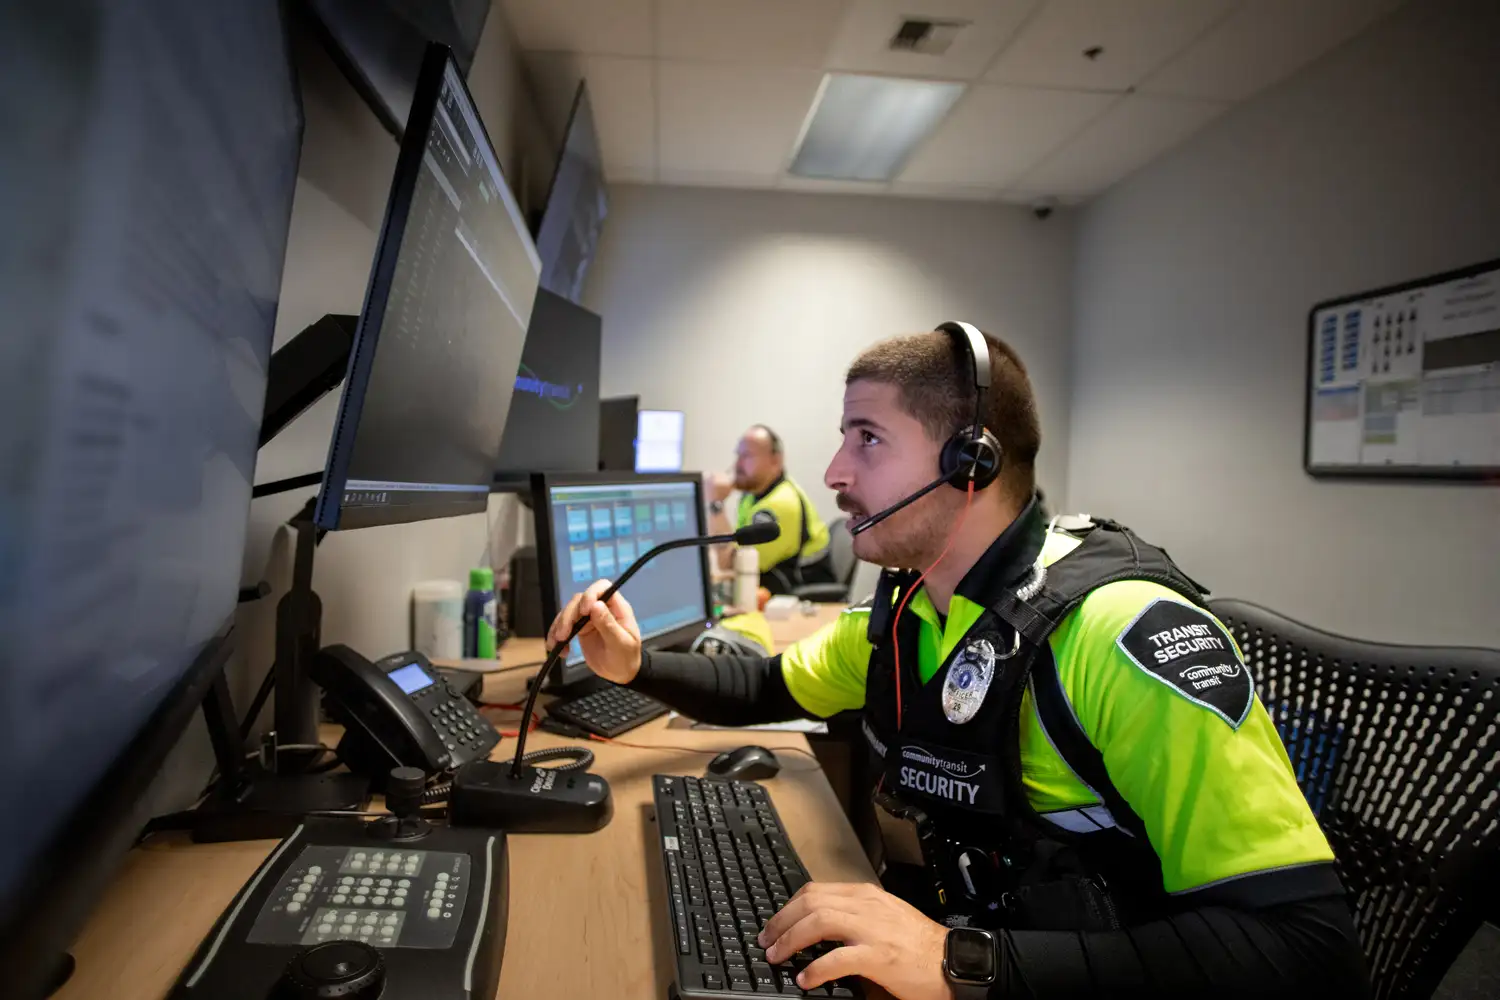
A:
(331, 514)
(91, 844)
(541, 484)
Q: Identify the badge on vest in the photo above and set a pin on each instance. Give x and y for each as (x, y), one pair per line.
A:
(1189, 652)
(968, 680)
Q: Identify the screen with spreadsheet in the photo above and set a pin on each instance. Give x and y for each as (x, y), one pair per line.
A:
(442, 330)
(599, 529)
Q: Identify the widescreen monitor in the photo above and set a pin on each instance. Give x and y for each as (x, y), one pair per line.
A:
(146, 216)
(441, 333)
(577, 203)
(553, 424)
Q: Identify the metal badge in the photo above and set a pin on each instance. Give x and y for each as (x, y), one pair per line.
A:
(968, 680)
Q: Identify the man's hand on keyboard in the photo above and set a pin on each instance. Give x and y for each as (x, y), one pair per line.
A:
(611, 640)
(883, 939)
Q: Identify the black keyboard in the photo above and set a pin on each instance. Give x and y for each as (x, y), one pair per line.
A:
(609, 712)
(729, 867)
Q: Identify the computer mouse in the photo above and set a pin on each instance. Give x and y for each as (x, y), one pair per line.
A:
(745, 763)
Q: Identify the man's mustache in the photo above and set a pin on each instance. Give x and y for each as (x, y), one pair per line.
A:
(846, 504)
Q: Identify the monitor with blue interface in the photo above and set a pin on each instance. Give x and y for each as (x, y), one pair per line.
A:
(440, 337)
(594, 527)
(658, 440)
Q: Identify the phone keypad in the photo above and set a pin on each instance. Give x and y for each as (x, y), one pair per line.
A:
(466, 734)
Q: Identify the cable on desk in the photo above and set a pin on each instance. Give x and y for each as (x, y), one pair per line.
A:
(581, 758)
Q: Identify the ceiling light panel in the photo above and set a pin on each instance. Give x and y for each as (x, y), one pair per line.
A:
(863, 128)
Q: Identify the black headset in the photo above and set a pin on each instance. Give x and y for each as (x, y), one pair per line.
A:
(972, 454)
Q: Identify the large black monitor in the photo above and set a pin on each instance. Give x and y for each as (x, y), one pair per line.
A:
(440, 336)
(379, 45)
(592, 527)
(571, 223)
(553, 424)
(146, 184)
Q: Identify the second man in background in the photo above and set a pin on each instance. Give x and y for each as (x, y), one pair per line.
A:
(800, 554)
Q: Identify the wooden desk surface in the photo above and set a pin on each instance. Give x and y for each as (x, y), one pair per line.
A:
(587, 918)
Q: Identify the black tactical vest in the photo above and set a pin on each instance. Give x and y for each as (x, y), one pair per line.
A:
(1001, 863)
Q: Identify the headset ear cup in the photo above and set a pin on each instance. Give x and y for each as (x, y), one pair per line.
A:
(959, 456)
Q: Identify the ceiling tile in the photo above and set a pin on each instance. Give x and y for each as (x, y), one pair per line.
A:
(863, 42)
(724, 118)
(1137, 36)
(717, 178)
(764, 32)
(1263, 42)
(951, 192)
(621, 93)
(995, 134)
(1134, 132)
(600, 27)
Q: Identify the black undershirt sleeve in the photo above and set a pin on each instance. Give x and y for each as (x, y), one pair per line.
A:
(1305, 949)
(719, 690)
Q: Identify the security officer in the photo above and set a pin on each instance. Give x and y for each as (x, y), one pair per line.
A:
(799, 555)
(1079, 793)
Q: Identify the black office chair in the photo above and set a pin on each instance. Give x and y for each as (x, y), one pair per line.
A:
(1397, 749)
(843, 565)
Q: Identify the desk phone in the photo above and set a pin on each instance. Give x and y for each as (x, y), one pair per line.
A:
(339, 910)
(399, 712)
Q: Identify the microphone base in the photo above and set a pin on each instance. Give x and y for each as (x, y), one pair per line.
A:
(540, 800)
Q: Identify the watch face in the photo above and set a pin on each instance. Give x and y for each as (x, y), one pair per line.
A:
(971, 954)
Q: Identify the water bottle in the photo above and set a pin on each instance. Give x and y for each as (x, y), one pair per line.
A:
(479, 615)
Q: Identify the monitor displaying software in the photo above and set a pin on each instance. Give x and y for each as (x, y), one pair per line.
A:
(658, 441)
(444, 323)
(593, 528)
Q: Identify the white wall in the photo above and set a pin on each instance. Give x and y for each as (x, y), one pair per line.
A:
(1380, 163)
(741, 307)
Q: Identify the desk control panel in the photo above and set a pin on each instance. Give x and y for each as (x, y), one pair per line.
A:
(417, 919)
(410, 899)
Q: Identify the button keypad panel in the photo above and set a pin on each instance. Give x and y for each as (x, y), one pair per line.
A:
(386, 896)
(467, 734)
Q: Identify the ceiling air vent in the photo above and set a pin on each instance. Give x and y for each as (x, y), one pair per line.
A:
(926, 35)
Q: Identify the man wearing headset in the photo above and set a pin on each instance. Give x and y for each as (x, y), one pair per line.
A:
(1079, 793)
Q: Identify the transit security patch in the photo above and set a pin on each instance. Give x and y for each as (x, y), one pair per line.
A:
(1184, 648)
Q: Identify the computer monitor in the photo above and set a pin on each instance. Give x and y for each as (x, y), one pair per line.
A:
(593, 527)
(440, 336)
(553, 424)
(577, 203)
(140, 266)
(658, 441)
(617, 420)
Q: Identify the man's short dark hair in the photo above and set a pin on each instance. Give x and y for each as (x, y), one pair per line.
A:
(933, 375)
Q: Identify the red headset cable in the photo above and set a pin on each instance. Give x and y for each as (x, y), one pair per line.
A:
(895, 635)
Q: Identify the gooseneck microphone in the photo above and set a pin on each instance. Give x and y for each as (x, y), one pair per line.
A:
(910, 498)
(523, 798)
(757, 533)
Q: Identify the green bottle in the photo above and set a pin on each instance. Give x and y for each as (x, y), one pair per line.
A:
(479, 615)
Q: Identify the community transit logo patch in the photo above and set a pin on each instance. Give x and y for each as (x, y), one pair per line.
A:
(1187, 650)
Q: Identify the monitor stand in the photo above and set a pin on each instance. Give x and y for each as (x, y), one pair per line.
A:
(251, 801)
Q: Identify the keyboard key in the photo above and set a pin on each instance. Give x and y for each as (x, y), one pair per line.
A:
(764, 978)
(741, 984)
(787, 979)
(713, 981)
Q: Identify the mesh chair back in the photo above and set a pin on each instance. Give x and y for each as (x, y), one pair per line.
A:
(1398, 752)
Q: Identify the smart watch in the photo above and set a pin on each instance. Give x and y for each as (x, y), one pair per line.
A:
(969, 962)
(716, 507)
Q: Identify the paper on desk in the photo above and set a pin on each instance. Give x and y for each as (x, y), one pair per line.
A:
(791, 726)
